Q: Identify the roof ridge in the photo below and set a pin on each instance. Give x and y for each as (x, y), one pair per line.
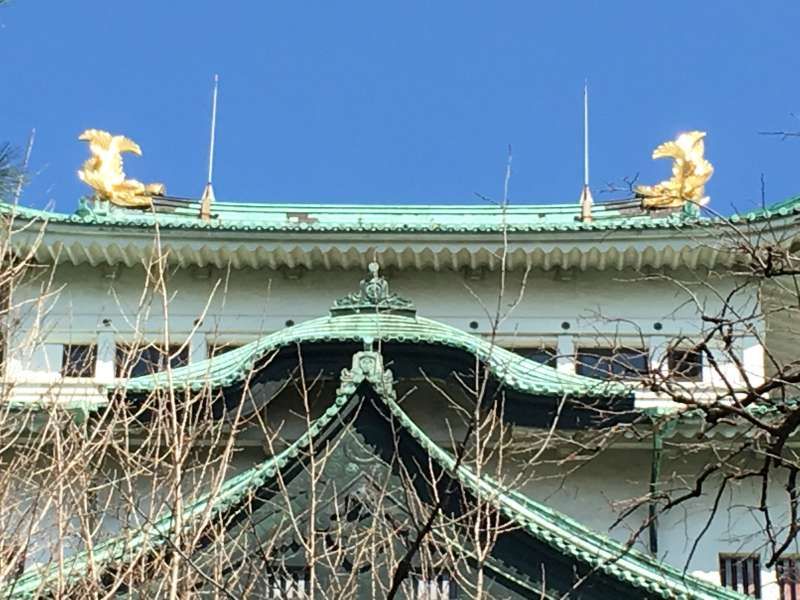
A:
(512, 370)
(368, 369)
(382, 218)
(661, 575)
(231, 490)
(351, 218)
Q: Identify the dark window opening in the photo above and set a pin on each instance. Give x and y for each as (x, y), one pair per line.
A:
(146, 360)
(289, 582)
(741, 573)
(685, 364)
(788, 572)
(79, 360)
(545, 355)
(612, 363)
(442, 587)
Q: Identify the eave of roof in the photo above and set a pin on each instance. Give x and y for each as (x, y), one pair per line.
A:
(35, 580)
(569, 536)
(441, 237)
(513, 370)
(363, 218)
(547, 525)
(386, 218)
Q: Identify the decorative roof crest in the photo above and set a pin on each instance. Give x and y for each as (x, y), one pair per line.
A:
(103, 171)
(367, 366)
(690, 172)
(373, 296)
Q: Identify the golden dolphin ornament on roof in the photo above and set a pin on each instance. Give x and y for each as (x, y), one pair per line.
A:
(690, 172)
(103, 171)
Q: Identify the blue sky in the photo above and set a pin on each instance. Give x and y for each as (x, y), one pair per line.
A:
(417, 102)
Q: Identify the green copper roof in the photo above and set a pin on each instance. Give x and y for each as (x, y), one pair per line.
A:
(230, 216)
(785, 208)
(515, 371)
(564, 535)
(150, 536)
(569, 536)
(389, 218)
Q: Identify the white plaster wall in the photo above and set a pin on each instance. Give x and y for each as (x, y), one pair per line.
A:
(564, 309)
(44, 543)
(595, 494)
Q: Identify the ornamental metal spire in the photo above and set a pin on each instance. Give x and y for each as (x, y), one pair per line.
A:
(208, 193)
(586, 193)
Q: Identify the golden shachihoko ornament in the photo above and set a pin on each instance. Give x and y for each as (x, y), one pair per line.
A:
(103, 171)
(690, 172)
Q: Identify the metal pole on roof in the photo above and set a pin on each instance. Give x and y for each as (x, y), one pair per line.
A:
(586, 193)
(586, 133)
(208, 192)
(213, 128)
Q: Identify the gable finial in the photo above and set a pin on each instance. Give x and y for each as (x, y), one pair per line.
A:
(373, 296)
(367, 366)
(208, 192)
(586, 193)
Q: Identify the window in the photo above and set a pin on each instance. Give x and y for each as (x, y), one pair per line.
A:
(612, 363)
(439, 588)
(685, 364)
(289, 582)
(545, 355)
(788, 572)
(145, 360)
(741, 573)
(79, 360)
